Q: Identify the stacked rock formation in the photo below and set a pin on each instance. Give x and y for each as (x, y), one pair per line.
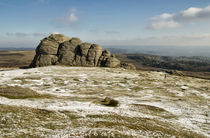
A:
(58, 49)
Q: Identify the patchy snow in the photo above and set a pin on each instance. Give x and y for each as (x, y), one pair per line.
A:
(184, 88)
(76, 89)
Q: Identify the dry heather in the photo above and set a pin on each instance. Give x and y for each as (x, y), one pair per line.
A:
(69, 103)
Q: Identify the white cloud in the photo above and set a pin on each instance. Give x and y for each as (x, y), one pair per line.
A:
(23, 34)
(163, 24)
(190, 15)
(112, 32)
(166, 16)
(55, 33)
(67, 20)
(191, 12)
(39, 34)
(163, 16)
(73, 17)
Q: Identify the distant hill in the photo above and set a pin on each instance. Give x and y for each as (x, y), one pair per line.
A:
(15, 49)
(196, 63)
(174, 51)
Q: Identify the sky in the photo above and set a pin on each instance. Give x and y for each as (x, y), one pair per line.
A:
(106, 22)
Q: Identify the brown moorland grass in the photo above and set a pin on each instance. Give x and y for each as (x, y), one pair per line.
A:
(13, 118)
(17, 92)
(46, 121)
(142, 124)
(16, 59)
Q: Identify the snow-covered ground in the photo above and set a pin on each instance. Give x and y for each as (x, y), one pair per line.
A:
(150, 104)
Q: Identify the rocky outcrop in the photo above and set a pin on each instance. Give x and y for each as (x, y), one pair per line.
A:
(58, 49)
(127, 66)
(174, 72)
(47, 50)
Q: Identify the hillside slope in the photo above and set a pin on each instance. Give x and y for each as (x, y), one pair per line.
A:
(65, 102)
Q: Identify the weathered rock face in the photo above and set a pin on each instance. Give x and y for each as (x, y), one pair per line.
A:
(58, 49)
(49, 45)
(67, 51)
(94, 53)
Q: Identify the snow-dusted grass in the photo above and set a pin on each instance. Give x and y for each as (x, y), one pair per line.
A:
(149, 104)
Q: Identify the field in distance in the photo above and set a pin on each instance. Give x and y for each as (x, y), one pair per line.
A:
(16, 59)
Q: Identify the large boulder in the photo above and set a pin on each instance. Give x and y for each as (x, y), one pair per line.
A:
(94, 54)
(49, 45)
(58, 49)
(112, 62)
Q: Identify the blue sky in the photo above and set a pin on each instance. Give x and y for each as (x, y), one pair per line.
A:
(106, 22)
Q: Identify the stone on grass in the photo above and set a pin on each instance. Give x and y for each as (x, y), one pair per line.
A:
(127, 66)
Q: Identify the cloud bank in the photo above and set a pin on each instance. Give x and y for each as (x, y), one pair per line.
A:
(190, 15)
(169, 40)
